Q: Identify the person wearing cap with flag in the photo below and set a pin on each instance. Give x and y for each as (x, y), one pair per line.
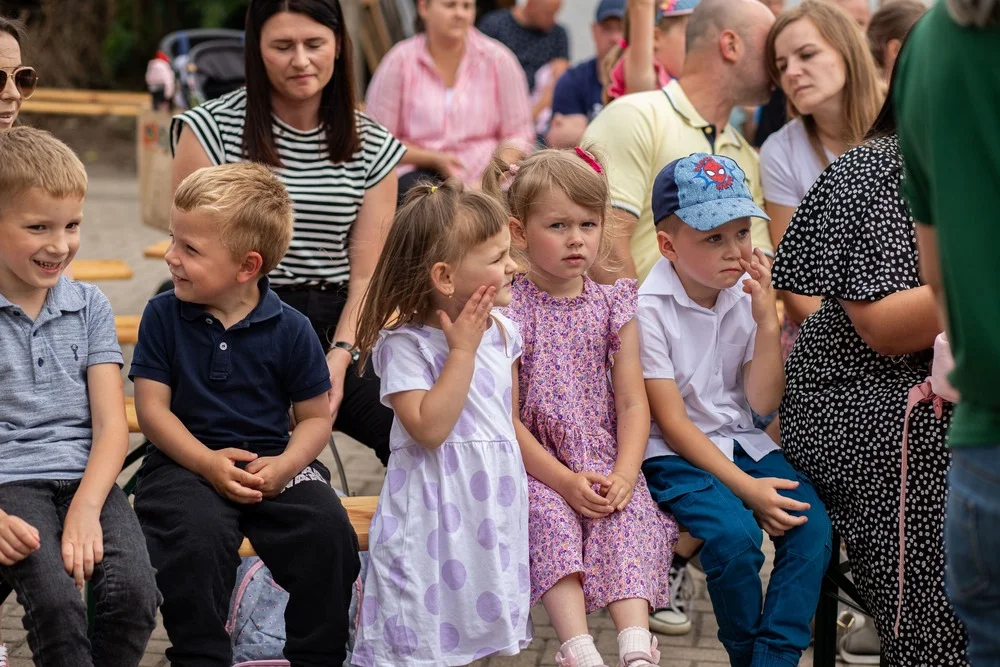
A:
(578, 95)
(710, 352)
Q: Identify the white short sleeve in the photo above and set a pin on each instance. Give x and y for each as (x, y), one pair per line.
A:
(654, 347)
(776, 171)
(403, 362)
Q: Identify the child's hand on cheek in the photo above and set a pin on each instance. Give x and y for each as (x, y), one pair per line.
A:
(759, 287)
(466, 332)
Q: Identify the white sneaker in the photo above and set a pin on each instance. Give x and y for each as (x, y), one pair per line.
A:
(3, 656)
(674, 620)
(860, 644)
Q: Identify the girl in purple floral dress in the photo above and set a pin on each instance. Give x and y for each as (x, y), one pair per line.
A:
(596, 538)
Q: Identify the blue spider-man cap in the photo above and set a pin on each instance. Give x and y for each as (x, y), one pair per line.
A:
(705, 191)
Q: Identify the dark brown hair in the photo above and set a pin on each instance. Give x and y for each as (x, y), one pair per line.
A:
(337, 105)
(436, 223)
(892, 21)
(14, 28)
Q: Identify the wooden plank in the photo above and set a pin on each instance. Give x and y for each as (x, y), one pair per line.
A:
(157, 250)
(130, 416)
(360, 510)
(90, 270)
(138, 99)
(127, 327)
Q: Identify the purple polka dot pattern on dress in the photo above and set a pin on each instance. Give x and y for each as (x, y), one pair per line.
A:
(401, 639)
(504, 556)
(449, 637)
(369, 610)
(453, 573)
(432, 599)
(489, 607)
(364, 655)
(431, 496)
(506, 491)
(466, 425)
(487, 534)
(523, 577)
(449, 459)
(451, 517)
(390, 525)
(485, 383)
(397, 572)
(479, 485)
(508, 401)
(395, 479)
(432, 544)
(515, 613)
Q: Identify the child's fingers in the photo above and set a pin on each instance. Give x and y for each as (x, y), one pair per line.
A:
(88, 558)
(25, 534)
(242, 494)
(12, 553)
(99, 550)
(245, 479)
(236, 454)
(445, 321)
(781, 483)
(595, 478)
(625, 500)
(765, 262)
(472, 305)
(792, 505)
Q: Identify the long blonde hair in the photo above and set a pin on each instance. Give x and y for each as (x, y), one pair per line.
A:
(863, 91)
(576, 171)
(435, 224)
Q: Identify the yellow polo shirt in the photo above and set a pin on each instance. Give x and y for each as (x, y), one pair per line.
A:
(640, 134)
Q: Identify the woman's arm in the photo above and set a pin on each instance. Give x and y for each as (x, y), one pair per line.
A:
(514, 114)
(366, 240)
(901, 323)
(639, 71)
(189, 157)
(797, 306)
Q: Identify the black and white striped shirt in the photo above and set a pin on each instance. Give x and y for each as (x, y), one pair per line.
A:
(326, 195)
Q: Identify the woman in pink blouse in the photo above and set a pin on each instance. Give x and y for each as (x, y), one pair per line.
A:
(451, 95)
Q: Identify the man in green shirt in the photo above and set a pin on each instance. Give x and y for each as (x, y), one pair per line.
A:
(947, 100)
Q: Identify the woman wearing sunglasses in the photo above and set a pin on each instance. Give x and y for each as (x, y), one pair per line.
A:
(17, 82)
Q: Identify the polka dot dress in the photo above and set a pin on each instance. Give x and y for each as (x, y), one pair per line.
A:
(449, 581)
(842, 416)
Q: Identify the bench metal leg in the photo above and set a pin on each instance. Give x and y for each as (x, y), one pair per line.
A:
(340, 466)
(825, 646)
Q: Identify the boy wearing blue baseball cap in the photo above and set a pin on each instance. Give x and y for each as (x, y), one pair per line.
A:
(709, 346)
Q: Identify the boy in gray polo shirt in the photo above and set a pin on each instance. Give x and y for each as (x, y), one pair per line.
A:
(63, 434)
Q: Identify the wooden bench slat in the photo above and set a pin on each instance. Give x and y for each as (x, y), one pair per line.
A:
(91, 96)
(157, 250)
(127, 328)
(79, 108)
(130, 416)
(360, 510)
(90, 270)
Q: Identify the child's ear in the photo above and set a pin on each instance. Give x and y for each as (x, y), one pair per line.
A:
(665, 244)
(517, 237)
(250, 267)
(443, 279)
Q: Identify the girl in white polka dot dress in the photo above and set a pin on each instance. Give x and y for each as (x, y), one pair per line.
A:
(449, 581)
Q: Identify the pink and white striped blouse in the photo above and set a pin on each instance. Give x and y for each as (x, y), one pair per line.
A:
(488, 105)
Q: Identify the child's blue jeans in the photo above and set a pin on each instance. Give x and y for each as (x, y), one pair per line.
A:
(756, 632)
(123, 583)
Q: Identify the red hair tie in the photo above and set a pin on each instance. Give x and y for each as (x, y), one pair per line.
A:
(623, 43)
(590, 159)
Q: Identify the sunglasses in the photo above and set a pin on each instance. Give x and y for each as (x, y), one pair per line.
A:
(25, 79)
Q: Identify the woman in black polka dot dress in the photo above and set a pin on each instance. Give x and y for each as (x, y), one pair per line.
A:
(852, 242)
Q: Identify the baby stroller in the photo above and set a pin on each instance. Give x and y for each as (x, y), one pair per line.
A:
(193, 66)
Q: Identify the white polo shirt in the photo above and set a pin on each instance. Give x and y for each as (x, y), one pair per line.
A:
(704, 351)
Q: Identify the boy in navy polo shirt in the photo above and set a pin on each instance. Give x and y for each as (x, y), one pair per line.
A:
(63, 434)
(708, 337)
(220, 360)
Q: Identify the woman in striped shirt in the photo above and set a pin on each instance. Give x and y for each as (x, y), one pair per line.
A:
(297, 115)
(452, 95)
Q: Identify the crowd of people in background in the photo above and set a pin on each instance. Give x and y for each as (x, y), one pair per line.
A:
(546, 296)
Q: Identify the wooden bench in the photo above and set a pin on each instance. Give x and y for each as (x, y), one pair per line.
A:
(130, 416)
(360, 510)
(91, 270)
(127, 328)
(64, 101)
(157, 250)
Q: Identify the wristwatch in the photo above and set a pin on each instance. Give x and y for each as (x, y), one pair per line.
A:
(349, 347)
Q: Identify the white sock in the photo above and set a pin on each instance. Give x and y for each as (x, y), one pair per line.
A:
(634, 640)
(583, 651)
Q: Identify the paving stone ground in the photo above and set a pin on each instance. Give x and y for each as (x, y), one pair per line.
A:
(112, 230)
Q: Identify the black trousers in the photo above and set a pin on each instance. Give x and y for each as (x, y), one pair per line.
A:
(193, 535)
(362, 415)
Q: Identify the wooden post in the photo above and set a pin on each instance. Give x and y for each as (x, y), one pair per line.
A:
(353, 19)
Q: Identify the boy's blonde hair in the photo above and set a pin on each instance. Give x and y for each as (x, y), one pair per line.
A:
(31, 158)
(253, 207)
(520, 186)
(436, 223)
